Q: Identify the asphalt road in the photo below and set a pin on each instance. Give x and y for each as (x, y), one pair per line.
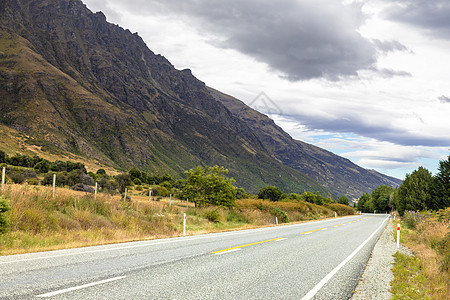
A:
(317, 260)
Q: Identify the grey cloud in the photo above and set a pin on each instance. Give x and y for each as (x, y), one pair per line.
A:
(301, 39)
(389, 73)
(389, 46)
(432, 15)
(358, 125)
(444, 99)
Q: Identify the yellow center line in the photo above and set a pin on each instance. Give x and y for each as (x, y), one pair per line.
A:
(239, 247)
(308, 232)
(338, 225)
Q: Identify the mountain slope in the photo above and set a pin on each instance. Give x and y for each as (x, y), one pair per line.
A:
(92, 88)
(73, 81)
(332, 171)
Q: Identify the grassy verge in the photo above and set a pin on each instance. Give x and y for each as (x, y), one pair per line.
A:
(39, 222)
(426, 274)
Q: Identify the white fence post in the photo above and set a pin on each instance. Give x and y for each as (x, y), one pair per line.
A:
(184, 224)
(398, 236)
(54, 184)
(3, 179)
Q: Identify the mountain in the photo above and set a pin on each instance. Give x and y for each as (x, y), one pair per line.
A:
(334, 172)
(73, 82)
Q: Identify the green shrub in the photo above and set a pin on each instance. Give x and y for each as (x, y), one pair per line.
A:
(213, 216)
(4, 207)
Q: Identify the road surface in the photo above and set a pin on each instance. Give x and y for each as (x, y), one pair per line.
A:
(316, 260)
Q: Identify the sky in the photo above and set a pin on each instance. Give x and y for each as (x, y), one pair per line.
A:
(368, 80)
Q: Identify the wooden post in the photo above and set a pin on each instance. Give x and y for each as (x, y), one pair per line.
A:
(54, 185)
(3, 179)
(184, 224)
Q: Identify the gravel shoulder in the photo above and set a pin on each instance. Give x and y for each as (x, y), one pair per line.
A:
(375, 281)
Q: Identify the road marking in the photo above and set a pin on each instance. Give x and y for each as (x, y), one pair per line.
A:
(338, 225)
(51, 294)
(309, 232)
(239, 247)
(321, 283)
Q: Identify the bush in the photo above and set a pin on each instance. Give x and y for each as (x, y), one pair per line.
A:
(81, 187)
(271, 193)
(4, 207)
(213, 216)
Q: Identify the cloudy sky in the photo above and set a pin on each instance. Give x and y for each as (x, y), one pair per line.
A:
(368, 80)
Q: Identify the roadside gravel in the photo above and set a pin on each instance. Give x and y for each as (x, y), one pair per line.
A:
(375, 281)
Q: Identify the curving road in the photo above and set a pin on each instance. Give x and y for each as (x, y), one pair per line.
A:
(316, 260)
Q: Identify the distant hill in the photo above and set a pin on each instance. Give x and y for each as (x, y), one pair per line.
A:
(73, 82)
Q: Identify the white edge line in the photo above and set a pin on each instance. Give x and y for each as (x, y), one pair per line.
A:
(279, 240)
(228, 251)
(79, 287)
(321, 283)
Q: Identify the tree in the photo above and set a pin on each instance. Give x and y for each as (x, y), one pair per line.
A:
(343, 200)
(209, 186)
(101, 172)
(122, 181)
(309, 197)
(440, 191)
(414, 192)
(3, 157)
(270, 192)
(380, 198)
(362, 201)
(43, 166)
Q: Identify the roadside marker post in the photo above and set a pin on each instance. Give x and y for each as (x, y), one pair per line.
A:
(187, 204)
(54, 184)
(96, 188)
(276, 220)
(335, 214)
(184, 224)
(398, 236)
(3, 179)
(125, 195)
(149, 195)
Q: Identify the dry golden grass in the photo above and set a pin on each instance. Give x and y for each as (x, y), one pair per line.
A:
(426, 275)
(39, 222)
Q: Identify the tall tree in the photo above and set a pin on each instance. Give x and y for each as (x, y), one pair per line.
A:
(362, 201)
(380, 198)
(414, 192)
(440, 194)
(343, 200)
